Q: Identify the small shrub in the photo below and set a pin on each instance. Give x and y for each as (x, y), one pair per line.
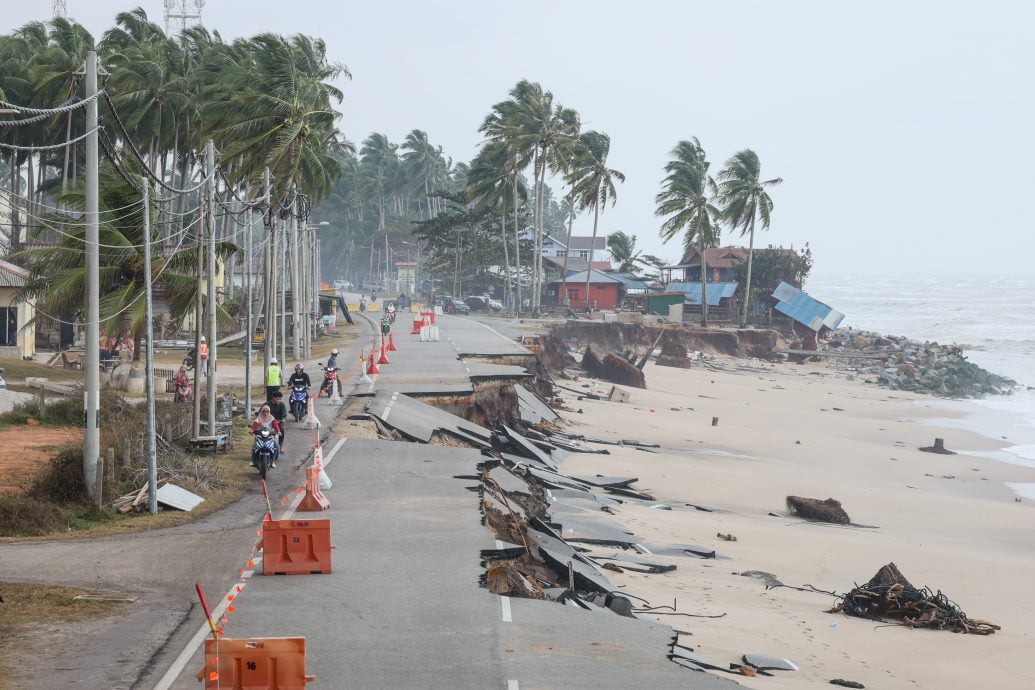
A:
(22, 515)
(62, 480)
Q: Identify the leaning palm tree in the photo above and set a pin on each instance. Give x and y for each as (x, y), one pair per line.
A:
(743, 198)
(596, 187)
(687, 199)
(623, 250)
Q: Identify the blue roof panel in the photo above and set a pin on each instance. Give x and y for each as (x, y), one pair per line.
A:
(804, 309)
(716, 291)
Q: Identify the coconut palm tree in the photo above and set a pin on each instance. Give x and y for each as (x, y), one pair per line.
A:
(623, 251)
(687, 199)
(596, 185)
(743, 198)
(538, 132)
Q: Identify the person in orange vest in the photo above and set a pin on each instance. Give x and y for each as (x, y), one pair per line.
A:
(203, 356)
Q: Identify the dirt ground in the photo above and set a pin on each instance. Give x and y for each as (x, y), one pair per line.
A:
(26, 448)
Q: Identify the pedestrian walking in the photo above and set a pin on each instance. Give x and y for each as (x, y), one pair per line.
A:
(203, 356)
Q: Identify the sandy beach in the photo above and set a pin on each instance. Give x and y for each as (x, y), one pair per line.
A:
(949, 522)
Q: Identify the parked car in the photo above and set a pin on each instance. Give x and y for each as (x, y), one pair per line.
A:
(342, 285)
(477, 303)
(456, 306)
(495, 305)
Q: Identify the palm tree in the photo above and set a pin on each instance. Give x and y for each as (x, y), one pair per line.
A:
(623, 251)
(538, 132)
(488, 187)
(743, 197)
(596, 185)
(270, 105)
(687, 198)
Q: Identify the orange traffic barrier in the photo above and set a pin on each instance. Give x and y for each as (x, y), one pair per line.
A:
(251, 663)
(429, 316)
(372, 369)
(296, 547)
(418, 322)
(314, 499)
(391, 343)
(383, 359)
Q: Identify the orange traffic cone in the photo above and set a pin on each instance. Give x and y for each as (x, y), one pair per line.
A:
(418, 323)
(391, 343)
(372, 369)
(383, 359)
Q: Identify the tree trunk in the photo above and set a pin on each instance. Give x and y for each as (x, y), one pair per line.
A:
(747, 287)
(517, 250)
(593, 242)
(567, 249)
(506, 251)
(704, 284)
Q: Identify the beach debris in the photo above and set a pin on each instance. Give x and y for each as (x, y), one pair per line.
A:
(938, 447)
(847, 683)
(618, 395)
(613, 368)
(727, 537)
(763, 662)
(770, 580)
(828, 510)
(889, 596)
(715, 421)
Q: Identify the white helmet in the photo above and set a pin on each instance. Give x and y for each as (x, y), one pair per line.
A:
(202, 338)
(334, 351)
(273, 360)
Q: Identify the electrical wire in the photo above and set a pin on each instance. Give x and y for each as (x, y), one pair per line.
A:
(51, 147)
(71, 104)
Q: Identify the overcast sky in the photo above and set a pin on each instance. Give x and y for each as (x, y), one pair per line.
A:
(902, 130)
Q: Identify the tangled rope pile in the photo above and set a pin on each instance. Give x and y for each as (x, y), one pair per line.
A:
(889, 596)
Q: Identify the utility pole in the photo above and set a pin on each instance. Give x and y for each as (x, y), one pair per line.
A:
(149, 358)
(196, 411)
(316, 288)
(269, 284)
(92, 432)
(281, 260)
(295, 292)
(210, 166)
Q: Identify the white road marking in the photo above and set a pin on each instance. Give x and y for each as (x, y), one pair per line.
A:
(508, 616)
(509, 340)
(185, 656)
(512, 685)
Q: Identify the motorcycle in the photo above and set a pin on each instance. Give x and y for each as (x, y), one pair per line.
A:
(330, 380)
(188, 360)
(299, 401)
(184, 388)
(264, 450)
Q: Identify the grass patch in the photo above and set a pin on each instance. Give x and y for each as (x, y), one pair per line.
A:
(57, 412)
(26, 603)
(21, 369)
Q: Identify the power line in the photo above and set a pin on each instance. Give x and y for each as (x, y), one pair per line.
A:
(51, 147)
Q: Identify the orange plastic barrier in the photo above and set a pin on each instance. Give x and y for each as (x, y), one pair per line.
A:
(314, 499)
(255, 663)
(296, 547)
(418, 322)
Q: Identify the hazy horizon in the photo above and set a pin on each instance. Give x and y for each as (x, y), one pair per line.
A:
(899, 128)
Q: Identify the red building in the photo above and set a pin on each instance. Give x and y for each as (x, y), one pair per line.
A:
(603, 290)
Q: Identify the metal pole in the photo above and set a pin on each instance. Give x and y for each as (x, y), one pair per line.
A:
(196, 411)
(248, 324)
(92, 432)
(269, 333)
(210, 165)
(296, 300)
(316, 287)
(149, 361)
(280, 267)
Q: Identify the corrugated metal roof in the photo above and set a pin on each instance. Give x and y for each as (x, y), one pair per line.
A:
(11, 275)
(804, 309)
(716, 291)
(586, 241)
(597, 279)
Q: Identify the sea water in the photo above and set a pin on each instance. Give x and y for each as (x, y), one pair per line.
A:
(991, 318)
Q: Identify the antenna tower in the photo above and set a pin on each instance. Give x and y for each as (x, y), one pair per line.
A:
(59, 9)
(181, 15)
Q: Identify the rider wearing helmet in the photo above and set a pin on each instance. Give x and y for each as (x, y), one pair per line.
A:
(273, 380)
(300, 377)
(332, 361)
